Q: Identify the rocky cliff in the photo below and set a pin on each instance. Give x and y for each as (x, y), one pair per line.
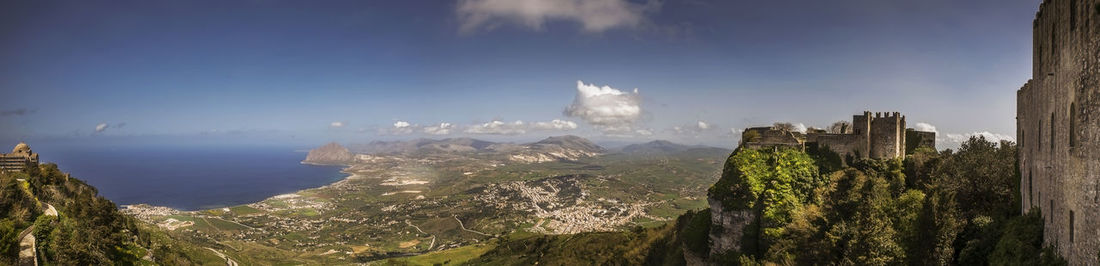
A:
(331, 153)
(727, 227)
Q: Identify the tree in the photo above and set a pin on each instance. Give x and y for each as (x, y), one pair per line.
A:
(840, 127)
(773, 185)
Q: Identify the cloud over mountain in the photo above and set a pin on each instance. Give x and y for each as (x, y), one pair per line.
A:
(556, 124)
(607, 108)
(593, 15)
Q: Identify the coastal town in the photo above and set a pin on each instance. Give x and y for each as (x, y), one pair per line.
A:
(393, 204)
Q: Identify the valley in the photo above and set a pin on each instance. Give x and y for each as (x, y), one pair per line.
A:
(438, 195)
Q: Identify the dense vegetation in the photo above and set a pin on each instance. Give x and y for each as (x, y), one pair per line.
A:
(931, 208)
(88, 229)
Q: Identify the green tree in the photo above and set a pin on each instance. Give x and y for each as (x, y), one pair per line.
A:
(772, 184)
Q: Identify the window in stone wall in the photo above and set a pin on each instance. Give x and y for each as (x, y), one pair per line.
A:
(1030, 191)
(1051, 211)
(1052, 133)
(1071, 226)
(1072, 15)
(1072, 125)
(1039, 136)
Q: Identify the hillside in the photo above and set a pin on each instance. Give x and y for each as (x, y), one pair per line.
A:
(331, 153)
(61, 220)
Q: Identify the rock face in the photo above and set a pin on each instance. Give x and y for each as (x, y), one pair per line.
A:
(727, 227)
(331, 153)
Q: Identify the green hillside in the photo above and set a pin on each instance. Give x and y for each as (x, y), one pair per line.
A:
(82, 228)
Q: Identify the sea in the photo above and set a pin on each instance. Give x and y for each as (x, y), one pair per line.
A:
(189, 178)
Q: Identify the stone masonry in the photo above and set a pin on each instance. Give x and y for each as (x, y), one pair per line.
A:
(873, 135)
(1058, 128)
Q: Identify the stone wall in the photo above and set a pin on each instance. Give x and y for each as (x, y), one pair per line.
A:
(887, 136)
(919, 139)
(1058, 128)
(842, 144)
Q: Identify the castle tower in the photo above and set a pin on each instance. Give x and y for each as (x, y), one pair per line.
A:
(1058, 129)
(887, 139)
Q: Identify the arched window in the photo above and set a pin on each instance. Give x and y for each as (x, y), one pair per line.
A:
(1039, 136)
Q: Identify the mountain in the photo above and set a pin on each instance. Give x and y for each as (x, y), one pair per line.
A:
(450, 145)
(547, 150)
(666, 147)
(331, 153)
(560, 148)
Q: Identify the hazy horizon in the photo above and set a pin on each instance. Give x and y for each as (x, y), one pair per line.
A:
(693, 72)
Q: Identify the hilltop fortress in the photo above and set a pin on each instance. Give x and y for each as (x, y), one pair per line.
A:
(19, 159)
(1058, 128)
(877, 136)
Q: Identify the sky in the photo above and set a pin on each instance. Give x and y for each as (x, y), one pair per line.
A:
(690, 71)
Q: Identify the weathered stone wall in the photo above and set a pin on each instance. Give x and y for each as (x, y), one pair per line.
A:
(917, 139)
(842, 144)
(1058, 128)
(766, 137)
(887, 136)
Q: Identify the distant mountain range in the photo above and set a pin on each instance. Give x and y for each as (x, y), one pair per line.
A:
(558, 148)
(665, 147)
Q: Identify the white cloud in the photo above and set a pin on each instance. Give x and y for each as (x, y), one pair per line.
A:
(556, 124)
(925, 127)
(607, 108)
(336, 124)
(703, 125)
(441, 129)
(400, 128)
(993, 137)
(101, 127)
(497, 127)
(643, 132)
(593, 15)
(800, 127)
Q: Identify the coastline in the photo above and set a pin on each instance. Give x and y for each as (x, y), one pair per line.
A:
(145, 208)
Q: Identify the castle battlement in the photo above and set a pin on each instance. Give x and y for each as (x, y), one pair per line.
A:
(19, 159)
(880, 135)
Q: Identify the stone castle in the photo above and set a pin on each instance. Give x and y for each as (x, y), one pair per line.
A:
(872, 135)
(19, 159)
(1058, 128)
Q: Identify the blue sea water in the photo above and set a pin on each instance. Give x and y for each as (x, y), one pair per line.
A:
(189, 178)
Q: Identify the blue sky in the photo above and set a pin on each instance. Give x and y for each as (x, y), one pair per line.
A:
(355, 71)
